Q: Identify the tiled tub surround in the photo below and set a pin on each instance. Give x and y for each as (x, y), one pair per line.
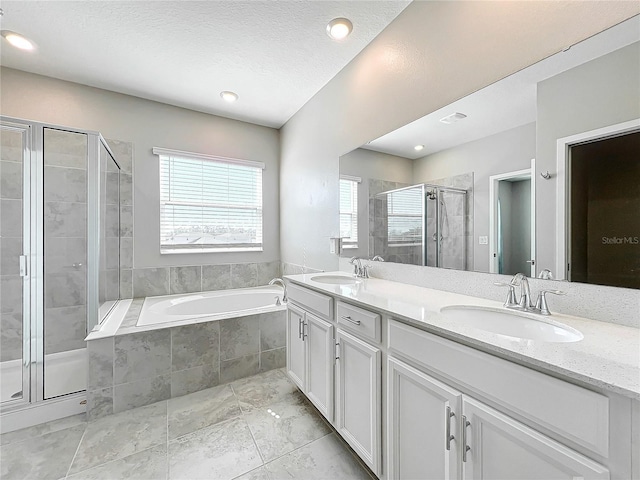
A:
(607, 358)
(142, 365)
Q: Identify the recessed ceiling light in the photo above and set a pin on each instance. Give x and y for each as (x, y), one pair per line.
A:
(229, 96)
(339, 28)
(417, 148)
(453, 118)
(18, 40)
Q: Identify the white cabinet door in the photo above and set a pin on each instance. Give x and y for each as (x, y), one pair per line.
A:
(502, 448)
(320, 346)
(295, 346)
(358, 397)
(422, 425)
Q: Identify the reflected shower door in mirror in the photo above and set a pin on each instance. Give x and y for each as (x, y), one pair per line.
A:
(492, 133)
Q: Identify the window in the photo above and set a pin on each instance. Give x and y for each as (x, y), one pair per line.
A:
(349, 210)
(208, 203)
(404, 212)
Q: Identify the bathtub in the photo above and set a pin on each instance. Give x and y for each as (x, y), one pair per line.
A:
(207, 306)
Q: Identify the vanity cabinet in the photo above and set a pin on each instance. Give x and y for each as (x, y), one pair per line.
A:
(358, 396)
(310, 348)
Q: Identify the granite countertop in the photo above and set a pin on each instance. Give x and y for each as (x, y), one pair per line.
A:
(608, 357)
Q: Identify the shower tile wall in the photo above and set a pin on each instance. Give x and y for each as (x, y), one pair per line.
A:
(11, 204)
(65, 230)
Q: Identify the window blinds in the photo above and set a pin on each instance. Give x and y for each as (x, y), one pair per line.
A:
(209, 204)
(349, 211)
(404, 210)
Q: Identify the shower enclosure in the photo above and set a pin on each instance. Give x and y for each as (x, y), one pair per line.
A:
(421, 225)
(59, 270)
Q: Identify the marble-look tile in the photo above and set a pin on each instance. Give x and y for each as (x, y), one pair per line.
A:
(65, 185)
(259, 473)
(244, 275)
(11, 179)
(11, 294)
(239, 336)
(131, 317)
(42, 429)
(11, 218)
(273, 330)
(61, 254)
(121, 435)
(142, 355)
(99, 403)
(100, 372)
(223, 451)
(63, 219)
(267, 271)
(44, 457)
(264, 389)
(201, 409)
(241, 367)
(193, 379)
(123, 153)
(141, 392)
(150, 464)
(324, 458)
(112, 188)
(272, 359)
(63, 148)
(126, 283)
(10, 336)
(66, 289)
(195, 345)
(126, 221)
(112, 221)
(281, 427)
(216, 277)
(126, 189)
(64, 326)
(149, 282)
(10, 251)
(186, 279)
(126, 252)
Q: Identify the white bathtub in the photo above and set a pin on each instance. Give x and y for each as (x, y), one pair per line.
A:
(208, 306)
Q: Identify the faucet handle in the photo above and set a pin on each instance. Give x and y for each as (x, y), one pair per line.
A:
(511, 301)
(541, 303)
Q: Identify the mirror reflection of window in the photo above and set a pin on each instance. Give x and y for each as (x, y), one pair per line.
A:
(349, 211)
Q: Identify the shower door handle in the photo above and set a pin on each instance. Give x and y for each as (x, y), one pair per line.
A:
(532, 262)
(24, 268)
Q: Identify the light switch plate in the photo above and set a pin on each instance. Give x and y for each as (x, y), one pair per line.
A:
(483, 240)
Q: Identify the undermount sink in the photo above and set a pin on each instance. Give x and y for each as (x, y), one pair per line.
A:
(512, 324)
(334, 279)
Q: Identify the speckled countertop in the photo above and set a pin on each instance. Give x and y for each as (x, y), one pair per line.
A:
(608, 356)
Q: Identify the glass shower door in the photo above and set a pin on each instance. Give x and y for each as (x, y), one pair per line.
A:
(14, 249)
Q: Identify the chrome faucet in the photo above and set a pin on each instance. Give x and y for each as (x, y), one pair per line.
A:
(525, 294)
(284, 288)
(359, 270)
(378, 258)
(541, 306)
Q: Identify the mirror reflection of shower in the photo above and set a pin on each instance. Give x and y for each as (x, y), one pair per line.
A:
(422, 225)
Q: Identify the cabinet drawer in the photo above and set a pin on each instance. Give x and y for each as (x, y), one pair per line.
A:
(308, 299)
(573, 412)
(361, 322)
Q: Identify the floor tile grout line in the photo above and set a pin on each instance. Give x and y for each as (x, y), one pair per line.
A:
(77, 450)
(114, 460)
(227, 420)
(298, 448)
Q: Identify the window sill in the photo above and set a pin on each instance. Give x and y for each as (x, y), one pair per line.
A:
(172, 251)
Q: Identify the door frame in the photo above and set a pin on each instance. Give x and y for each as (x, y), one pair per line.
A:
(494, 182)
(563, 188)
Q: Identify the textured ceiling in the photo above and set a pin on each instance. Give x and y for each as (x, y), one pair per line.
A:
(274, 54)
(506, 104)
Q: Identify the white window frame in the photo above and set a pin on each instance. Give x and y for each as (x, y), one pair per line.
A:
(351, 242)
(210, 248)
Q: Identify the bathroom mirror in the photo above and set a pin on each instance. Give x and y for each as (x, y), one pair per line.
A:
(485, 184)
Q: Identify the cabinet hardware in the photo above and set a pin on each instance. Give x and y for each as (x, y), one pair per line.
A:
(349, 319)
(304, 335)
(337, 350)
(465, 447)
(300, 328)
(448, 428)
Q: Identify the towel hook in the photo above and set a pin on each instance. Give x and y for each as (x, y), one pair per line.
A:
(546, 175)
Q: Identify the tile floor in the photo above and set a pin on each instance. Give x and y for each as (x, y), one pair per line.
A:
(257, 428)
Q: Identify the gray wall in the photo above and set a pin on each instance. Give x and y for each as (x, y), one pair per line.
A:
(392, 82)
(515, 205)
(367, 165)
(593, 95)
(148, 124)
(501, 153)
